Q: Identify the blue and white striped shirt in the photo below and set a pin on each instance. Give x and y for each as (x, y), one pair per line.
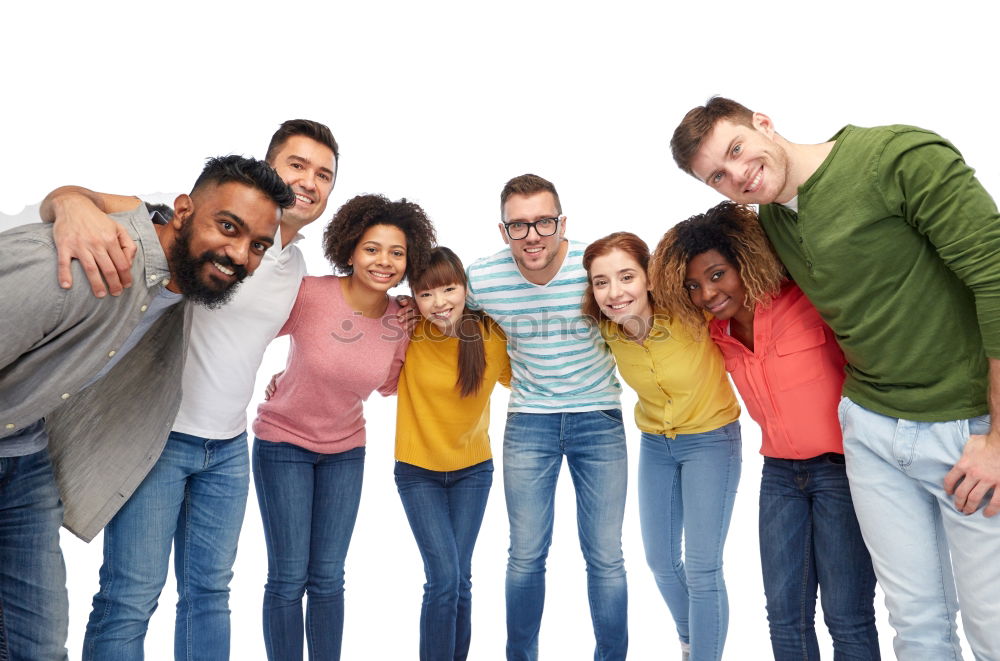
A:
(559, 362)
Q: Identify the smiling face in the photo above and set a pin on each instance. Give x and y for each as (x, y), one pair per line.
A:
(222, 233)
(620, 286)
(714, 284)
(310, 169)
(379, 258)
(538, 257)
(442, 306)
(745, 163)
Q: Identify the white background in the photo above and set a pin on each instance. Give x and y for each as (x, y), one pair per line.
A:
(442, 103)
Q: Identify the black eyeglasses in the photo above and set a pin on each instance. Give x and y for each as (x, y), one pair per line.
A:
(543, 227)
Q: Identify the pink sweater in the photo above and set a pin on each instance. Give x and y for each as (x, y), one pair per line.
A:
(336, 359)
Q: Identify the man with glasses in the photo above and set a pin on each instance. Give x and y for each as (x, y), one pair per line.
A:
(564, 403)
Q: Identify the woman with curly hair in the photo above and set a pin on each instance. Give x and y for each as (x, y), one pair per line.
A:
(444, 468)
(690, 452)
(789, 370)
(308, 455)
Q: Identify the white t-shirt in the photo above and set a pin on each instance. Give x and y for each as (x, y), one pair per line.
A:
(227, 345)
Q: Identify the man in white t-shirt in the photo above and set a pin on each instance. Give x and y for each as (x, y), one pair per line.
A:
(195, 495)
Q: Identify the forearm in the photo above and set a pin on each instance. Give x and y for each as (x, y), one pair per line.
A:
(83, 231)
(60, 200)
(994, 402)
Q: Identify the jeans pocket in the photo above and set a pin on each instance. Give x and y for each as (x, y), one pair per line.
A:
(842, 410)
(614, 415)
(834, 458)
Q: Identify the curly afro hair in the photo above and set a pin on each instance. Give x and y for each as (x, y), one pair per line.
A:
(359, 213)
(734, 231)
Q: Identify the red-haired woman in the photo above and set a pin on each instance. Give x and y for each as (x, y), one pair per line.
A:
(690, 453)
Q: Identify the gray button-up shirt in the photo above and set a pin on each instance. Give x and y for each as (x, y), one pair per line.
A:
(103, 438)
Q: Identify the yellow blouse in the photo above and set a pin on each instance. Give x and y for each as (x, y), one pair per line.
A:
(681, 382)
(437, 428)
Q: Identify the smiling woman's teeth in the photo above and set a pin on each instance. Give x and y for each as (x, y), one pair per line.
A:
(619, 306)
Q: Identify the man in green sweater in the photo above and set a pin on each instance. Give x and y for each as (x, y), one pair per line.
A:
(897, 245)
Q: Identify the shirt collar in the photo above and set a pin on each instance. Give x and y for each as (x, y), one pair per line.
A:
(155, 262)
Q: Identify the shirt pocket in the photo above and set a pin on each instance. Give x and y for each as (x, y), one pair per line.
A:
(798, 358)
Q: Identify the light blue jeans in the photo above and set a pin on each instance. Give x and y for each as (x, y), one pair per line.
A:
(194, 498)
(687, 486)
(916, 536)
(593, 443)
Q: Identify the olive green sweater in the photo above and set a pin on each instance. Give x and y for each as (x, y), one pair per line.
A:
(897, 245)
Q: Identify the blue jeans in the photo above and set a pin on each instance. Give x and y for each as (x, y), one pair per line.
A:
(194, 498)
(917, 538)
(809, 536)
(445, 510)
(34, 607)
(308, 504)
(593, 443)
(687, 486)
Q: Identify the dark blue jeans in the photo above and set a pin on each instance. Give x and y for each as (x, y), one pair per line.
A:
(809, 536)
(308, 504)
(445, 510)
(34, 607)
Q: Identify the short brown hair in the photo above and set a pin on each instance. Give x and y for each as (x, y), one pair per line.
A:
(528, 184)
(734, 231)
(305, 127)
(628, 243)
(699, 122)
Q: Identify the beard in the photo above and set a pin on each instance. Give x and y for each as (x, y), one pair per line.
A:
(187, 269)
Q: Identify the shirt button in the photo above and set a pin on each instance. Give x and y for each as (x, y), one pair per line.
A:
(143, 308)
(809, 264)
(65, 395)
(111, 353)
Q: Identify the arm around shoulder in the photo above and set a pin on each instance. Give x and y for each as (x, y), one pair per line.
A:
(83, 231)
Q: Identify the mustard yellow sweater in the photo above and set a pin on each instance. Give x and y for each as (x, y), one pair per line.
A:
(437, 428)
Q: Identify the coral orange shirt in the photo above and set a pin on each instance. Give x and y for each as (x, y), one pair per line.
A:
(791, 382)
